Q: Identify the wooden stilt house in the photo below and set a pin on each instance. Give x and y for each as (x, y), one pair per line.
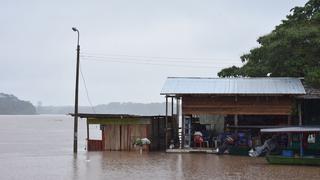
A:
(242, 103)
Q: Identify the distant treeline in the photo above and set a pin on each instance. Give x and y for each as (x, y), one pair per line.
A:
(111, 108)
(11, 105)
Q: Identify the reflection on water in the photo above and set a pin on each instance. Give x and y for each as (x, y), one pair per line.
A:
(40, 147)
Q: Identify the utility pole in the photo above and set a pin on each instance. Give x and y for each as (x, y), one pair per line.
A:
(75, 132)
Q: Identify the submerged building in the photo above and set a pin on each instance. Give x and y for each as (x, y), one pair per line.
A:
(210, 107)
(216, 105)
(120, 131)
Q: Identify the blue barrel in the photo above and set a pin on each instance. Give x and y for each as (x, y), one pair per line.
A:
(287, 153)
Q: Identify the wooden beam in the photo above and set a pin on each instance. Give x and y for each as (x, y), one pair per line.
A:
(119, 121)
(239, 110)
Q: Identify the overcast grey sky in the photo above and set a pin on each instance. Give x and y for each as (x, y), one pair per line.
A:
(122, 41)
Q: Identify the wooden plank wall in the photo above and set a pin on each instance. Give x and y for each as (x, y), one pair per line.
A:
(137, 131)
(122, 137)
(112, 137)
(125, 137)
(250, 105)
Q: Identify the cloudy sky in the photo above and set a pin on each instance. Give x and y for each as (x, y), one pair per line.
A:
(128, 48)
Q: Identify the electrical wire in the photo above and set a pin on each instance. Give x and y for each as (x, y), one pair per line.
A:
(86, 89)
(149, 60)
(196, 59)
(158, 60)
(150, 63)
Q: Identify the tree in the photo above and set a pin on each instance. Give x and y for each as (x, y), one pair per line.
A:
(291, 49)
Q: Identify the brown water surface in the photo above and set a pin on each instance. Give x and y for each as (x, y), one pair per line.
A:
(40, 147)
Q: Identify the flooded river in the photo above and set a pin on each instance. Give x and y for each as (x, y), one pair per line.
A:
(40, 147)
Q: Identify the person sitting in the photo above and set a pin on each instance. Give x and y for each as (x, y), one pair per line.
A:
(198, 138)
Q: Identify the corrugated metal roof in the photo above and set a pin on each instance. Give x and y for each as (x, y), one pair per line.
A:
(268, 85)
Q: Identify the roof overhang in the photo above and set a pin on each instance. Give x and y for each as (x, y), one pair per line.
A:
(270, 86)
(121, 116)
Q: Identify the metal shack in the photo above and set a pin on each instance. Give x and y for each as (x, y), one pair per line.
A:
(214, 105)
(119, 131)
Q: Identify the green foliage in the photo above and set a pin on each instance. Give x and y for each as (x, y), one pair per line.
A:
(291, 49)
(313, 77)
(230, 72)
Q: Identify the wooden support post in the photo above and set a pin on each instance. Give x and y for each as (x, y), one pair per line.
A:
(87, 130)
(236, 122)
(301, 135)
(289, 134)
(166, 124)
(182, 124)
(300, 115)
(103, 137)
(177, 118)
(171, 106)
(301, 144)
(87, 135)
(172, 123)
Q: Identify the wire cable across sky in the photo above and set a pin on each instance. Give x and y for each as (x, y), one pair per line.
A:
(207, 63)
(86, 89)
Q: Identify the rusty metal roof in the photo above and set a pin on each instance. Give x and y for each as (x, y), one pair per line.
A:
(253, 86)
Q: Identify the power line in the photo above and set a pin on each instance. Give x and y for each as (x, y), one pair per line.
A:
(158, 60)
(149, 63)
(87, 93)
(197, 59)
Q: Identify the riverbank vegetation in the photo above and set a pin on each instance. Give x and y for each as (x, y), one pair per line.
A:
(11, 105)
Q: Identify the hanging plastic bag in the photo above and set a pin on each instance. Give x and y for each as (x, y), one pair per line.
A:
(311, 138)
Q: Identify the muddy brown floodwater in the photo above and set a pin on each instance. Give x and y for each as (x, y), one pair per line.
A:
(40, 147)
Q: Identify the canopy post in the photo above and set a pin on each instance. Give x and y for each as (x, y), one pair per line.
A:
(87, 130)
(300, 115)
(301, 144)
(178, 121)
(182, 124)
(88, 135)
(289, 134)
(166, 124)
(236, 122)
(172, 123)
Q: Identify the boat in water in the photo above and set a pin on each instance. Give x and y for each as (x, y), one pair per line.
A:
(288, 156)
